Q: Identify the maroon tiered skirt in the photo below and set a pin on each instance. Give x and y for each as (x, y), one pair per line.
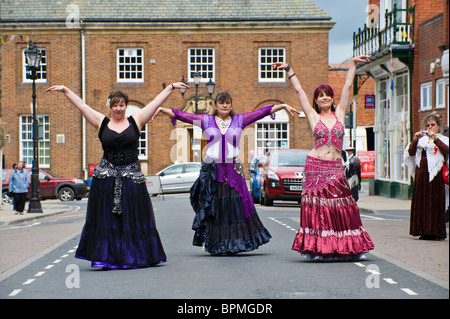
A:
(330, 225)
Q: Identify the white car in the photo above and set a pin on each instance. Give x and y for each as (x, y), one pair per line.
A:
(178, 178)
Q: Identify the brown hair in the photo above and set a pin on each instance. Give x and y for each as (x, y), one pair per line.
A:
(327, 90)
(433, 117)
(116, 97)
(222, 98)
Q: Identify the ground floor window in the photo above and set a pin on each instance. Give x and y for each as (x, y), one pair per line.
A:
(272, 134)
(26, 140)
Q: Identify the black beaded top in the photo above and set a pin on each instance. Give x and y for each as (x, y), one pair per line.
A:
(120, 148)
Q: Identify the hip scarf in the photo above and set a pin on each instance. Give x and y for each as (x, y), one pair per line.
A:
(229, 173)
(106, 169)
(324, 176)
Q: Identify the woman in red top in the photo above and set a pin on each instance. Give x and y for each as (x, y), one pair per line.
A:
(330, 226)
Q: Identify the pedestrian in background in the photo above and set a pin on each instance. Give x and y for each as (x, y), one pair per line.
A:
(18, 186)
(425, 156)
(120, 229)
(353, 172)
(330, 225)
(226, 221)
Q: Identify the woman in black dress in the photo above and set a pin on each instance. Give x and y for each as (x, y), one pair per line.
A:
(120, 229)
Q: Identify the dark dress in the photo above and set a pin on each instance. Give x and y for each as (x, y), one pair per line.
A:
(428, 199)
(226, 221)
(125, 237)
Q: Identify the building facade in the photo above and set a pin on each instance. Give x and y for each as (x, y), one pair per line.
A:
(408, 41)
(139, 47)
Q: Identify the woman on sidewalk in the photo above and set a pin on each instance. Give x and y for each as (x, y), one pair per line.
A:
(120, 229)
(330, 226)
(425, 157)
(18, 185)
(226, 221)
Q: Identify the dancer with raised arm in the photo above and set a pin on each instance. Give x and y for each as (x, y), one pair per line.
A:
(330, 225)
(226, 221)
(120, 230)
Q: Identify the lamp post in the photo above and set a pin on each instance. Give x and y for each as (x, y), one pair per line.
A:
(210, 87)
(33, 57)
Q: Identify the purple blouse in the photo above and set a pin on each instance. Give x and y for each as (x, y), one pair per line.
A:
(224, 148)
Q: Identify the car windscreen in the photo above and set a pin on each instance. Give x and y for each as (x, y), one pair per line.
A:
(290, 158)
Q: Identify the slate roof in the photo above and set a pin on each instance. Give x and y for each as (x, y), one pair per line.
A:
(160, 10)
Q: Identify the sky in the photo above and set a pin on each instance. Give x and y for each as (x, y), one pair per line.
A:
(349, 15)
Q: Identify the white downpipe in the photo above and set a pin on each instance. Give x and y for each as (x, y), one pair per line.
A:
(83, 96)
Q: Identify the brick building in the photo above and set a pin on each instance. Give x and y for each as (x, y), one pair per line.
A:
(408, 41)
(139, 47)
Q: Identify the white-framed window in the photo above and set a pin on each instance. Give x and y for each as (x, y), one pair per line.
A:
(266, 57)
(425, 96)
(130, 65)
(272, 134)
(440, 94)
(201, 60)
(143, 142)
(26, 140)
(41, 73)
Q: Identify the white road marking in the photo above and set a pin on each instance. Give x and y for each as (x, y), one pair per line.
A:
(409, 291)
(390, 281)
(15, 292)
(29, 281)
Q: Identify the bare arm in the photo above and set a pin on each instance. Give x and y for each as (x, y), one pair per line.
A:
(149, 111)
(310, 113)
(346, 91)
(92, 116)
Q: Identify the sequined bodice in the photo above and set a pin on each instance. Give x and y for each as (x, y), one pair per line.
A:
(323, 136)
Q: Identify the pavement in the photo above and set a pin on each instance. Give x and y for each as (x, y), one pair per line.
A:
(428, 259)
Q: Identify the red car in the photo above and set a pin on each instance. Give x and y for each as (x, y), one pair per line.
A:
(51, 186)
(283, 176)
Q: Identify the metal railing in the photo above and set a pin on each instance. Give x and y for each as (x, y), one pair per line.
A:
(398, 29)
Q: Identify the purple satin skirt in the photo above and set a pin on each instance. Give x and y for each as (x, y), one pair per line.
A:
(330, 224)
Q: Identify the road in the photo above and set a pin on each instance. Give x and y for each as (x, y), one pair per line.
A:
(37, 261)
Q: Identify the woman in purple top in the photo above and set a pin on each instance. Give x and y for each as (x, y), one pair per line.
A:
(330, 225)
(226, 221)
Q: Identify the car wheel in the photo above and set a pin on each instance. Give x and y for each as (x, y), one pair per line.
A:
(66, 194)
(6, 200)
(266, 200)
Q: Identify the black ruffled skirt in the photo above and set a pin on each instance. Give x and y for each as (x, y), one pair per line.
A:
(128, 240)
(219, 223)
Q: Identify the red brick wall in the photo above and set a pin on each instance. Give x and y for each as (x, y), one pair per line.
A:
(431, 33)
(236, 73)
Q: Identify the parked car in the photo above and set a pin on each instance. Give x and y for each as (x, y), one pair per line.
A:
(255, 177)
(51, 186)
(177, 178)
(283, 176)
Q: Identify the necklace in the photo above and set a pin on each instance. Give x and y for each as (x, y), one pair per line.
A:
(223, 123)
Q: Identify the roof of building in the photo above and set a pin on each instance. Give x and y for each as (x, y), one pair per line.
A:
(159, 10)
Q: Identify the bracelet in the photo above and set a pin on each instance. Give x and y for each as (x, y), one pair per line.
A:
(287, 68)
(284, 106)
(289, 77)
(173, 88)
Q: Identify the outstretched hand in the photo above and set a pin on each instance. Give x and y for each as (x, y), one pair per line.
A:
(291, 110)
(361, 58)
(59, 88)
(279, 65)
(180, 85)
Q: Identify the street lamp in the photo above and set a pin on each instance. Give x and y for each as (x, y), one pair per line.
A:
(210, 87)
(33, 57)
